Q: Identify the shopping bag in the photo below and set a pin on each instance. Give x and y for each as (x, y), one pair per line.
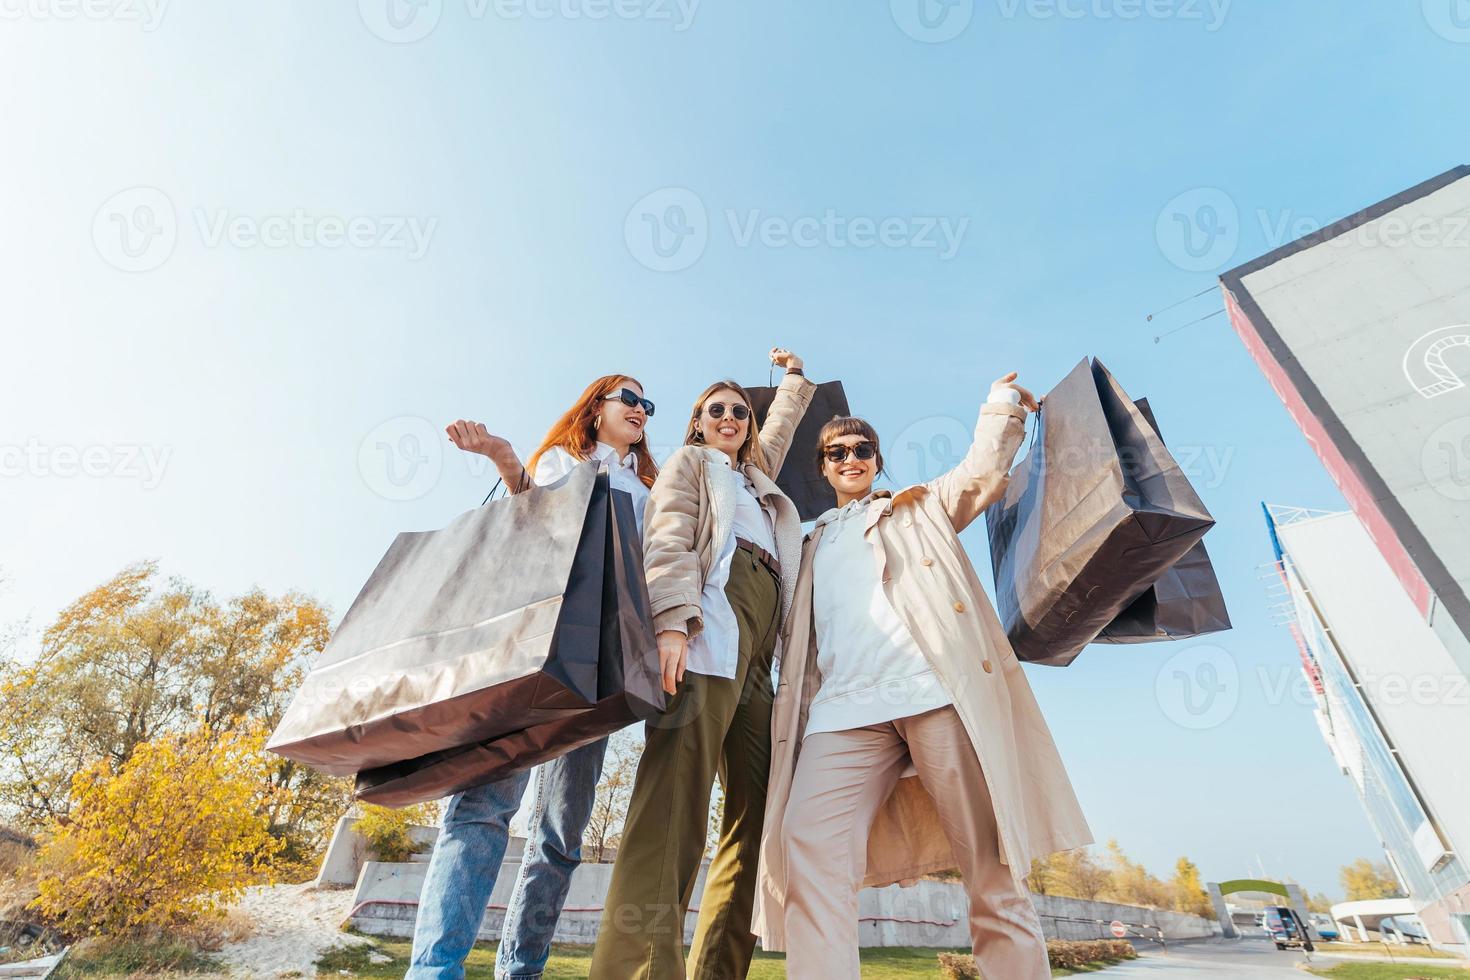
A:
(1094, 515)
(484, 627)
(1185, 602)
(801, 476)
(629, 689)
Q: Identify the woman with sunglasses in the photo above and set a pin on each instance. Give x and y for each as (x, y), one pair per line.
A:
(606, 423)
(907, 737)
(720, 552)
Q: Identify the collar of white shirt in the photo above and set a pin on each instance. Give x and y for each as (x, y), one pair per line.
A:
(602, 451)
(850, 508)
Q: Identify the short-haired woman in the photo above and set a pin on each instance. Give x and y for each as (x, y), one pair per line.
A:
(907, 739)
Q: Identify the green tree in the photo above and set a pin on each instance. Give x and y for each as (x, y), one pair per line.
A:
(1363, 880)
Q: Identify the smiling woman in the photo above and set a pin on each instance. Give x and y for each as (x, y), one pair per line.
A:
(719, 535)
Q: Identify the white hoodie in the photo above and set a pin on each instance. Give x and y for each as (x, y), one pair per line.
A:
(872, 670)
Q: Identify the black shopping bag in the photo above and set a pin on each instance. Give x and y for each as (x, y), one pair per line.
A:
(801, 476)
(1185, 602)
(487, 626)
(1093, 516)
(629, 689)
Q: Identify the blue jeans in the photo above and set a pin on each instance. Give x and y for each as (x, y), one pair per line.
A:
(467, 858)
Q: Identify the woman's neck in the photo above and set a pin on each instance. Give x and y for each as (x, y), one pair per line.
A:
(843, 499)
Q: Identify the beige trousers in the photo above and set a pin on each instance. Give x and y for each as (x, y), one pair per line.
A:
(842, 778)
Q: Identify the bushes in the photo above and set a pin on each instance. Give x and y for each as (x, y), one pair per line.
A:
(167, 840)
(1064, 955)
(386, 831)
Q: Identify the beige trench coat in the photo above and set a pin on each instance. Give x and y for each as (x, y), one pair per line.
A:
(933, 587)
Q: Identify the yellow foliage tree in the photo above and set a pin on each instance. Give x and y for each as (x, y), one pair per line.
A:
(386, 831)
(1363, 880)
(1188, 890)
(171, 836)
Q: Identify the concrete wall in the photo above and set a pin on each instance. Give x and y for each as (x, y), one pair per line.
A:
(930, 913)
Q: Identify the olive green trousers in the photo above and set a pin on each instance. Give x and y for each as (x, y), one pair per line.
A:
(714, 726)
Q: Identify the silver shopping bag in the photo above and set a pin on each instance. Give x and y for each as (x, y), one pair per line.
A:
(488, 626)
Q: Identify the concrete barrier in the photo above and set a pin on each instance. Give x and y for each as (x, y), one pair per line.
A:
(927, 914)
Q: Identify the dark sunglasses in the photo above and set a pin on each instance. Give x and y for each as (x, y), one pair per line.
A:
(630, 398)
(740, 411)
(863, 450)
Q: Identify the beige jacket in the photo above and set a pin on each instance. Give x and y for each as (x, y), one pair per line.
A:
(691, 511)
(935, 591)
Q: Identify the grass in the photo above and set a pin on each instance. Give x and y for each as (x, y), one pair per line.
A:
(571, 962)
(151, 959)
(1389, 971)
(1398, 952)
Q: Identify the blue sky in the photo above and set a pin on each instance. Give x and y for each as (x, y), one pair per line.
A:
(246, 247)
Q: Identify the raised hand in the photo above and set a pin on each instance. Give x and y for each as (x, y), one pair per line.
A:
(473, 437)
(781, 357)
(1028, 401)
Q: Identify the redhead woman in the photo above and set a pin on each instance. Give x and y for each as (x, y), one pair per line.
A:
(606, 423)
(907, 740)
(721, 549)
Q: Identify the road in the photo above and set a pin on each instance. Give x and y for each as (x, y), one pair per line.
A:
(1250, 958)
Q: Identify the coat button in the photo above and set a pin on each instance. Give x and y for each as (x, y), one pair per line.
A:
(986, 665)
(908, 522)
(959, 607)
(926, 561)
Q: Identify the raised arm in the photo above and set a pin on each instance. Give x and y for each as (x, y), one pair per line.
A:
(473, 437)
(787, 409)
(980, 478)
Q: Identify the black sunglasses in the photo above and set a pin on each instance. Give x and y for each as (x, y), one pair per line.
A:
(863, 450)
(739, 410)
(630, 398)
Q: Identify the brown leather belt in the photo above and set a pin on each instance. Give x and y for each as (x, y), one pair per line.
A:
(761, 555)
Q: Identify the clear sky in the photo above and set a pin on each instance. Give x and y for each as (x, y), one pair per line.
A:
(254, 256)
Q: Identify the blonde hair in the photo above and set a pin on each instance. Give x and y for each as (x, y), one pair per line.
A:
(750, 449)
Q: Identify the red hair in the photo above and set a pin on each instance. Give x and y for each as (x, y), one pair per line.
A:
(576, 432)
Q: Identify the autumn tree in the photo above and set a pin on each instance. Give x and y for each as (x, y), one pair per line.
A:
(135, 659)
(162, 840)
(1363, 880)
(1187, 892)
(1077, 874)
(610, 802)
(1132, 884)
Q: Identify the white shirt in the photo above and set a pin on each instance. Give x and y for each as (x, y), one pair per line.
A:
(872, 670)
(622, 474)
(716, 650)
